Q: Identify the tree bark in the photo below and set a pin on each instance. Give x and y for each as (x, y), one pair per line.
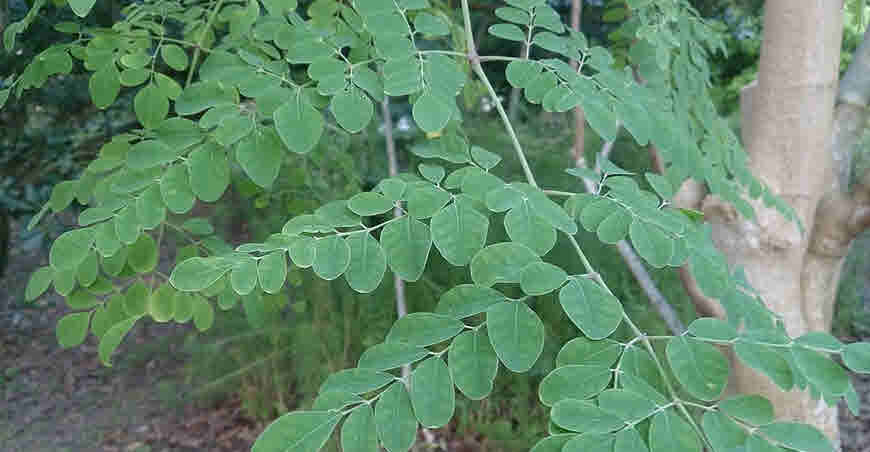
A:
(788, 120)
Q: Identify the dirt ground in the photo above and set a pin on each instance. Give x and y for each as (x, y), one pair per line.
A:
(59, 400)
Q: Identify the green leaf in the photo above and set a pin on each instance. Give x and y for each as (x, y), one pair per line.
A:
(714, 329)
(432, 173)
(425, 200)
(302, 431)
(151, 106)
(174, 56)
(260, 155)
(432, 112)
(514, 15)
(582, 416)
(473, 364)
(407, 243)
(352, 109)
(595, 211)
(38, 283)
(209, 172)
(197, 273)
(175, 188)
(525, 227)
(397, 426)
(105, 85)
(430, 25)
(669, 432)
(369, 204)
(272, 270)
(82, 299)
(335, 400)
(590, 442)
(161, 305)
(466, 300)
(150, 153)
(432, 394)
(143, 254)
(459, 231)
(627, 405)
(767, 361)
(856, 356)
(243, 278)
(150, 208)
(522, 72)
(62, 195)
(501, 263)
(302, 251)
(722, 432)
(820, 339)
(331, 257)
(423, 329)
(507, 31)
(70, 249)
(828, 376)
(698, 366)
(72, 329)
(539, 278)
(800, 437)
(391, 355)
(82, 7)
(615, 226)
(203, 314)
(487, 160)
(596, 312)
(651, 243)
(299, 125)
(753, 409)
(356, 381)
(201, 96)
(573, 382)
(368, 263)
(601, 118)
(183, 311)
(110, 341)
(516, 333)
(628, 439)
(661, 185)
(359, 433)
(580, 350)
(136, 300)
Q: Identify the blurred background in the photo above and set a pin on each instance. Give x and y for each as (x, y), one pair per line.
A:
(174, 389)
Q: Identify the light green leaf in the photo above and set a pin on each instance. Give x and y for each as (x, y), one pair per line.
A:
(150, 208)
(298, 431)
(397, 426)
(161, 304)
(516, 333)
(590, 442)
(522, 72)
(203, 313)
(175, 188)
(105, 85)
(151, 106)
(359, 433)
(183, 311)
(423, 329)
(432, 394)
(501, 263)
(714, 329)
(62, 195)
(627, 405)
(722, 432)
(335, 400)
(828, 376)
(368, 204)
(72, 329)
(356, 381)
(70, 249)
(767, 361)
(425, 200)
(431, 25)
(473, 364)
(38, 283)
(209, 172)
(651, 243)
(753, 409)
(204, 95)
(143, 254)
(856, 356)
(466, 300)
(407, 243)
(368, 263)
(573, 382)
(331, 257)
(197, 273)
(487, 160)
(243, 278)
(628, 439)
(432, 173)
(820, 339)
(800, 437)
(582, 416)
(110, 341)
(507, 31)
(459, 231)
(698, 366)
(539, 278)
(661, 185)
(615, 226)
(596, 312)
(669, 432)
(432, 112)
(260, 154)
(580, 350)
(302, 251)
(390, 355)
(299, 125)
(272, 270)
(525, 227)
(82, 7)
(352, 109)
(136, 300)
(174, 56)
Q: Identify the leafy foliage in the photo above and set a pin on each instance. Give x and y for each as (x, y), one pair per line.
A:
(260, 93)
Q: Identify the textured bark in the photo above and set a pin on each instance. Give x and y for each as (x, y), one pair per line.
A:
(788, 117)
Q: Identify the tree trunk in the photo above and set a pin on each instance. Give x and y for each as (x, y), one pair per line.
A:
(787, 128)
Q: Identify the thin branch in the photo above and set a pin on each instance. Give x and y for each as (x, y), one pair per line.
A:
(393, 163)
